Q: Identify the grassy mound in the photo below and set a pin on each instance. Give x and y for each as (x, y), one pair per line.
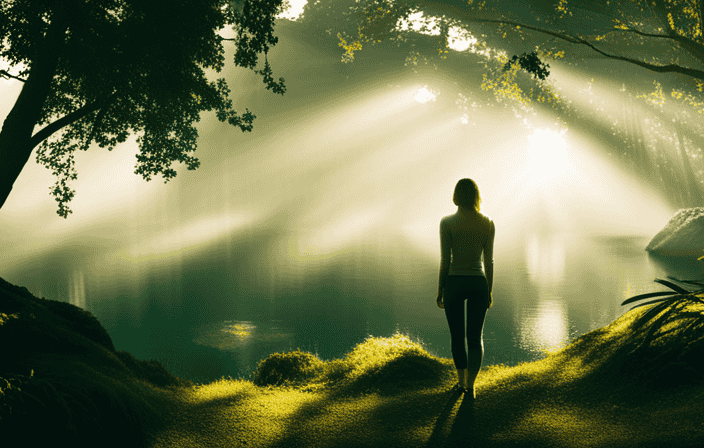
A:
(379, 365)
(287, 368)
(389, 392)
(61, 379)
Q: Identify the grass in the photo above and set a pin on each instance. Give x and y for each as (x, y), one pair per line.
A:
(390, 392)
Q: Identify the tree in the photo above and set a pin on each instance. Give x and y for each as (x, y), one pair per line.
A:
(99, 70)
(663, 36)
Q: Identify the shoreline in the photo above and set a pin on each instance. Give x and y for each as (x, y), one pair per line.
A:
(61, 373)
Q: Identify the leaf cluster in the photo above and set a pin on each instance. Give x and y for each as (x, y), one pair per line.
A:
(680, 314)
(137, 67)
(375, 21)
(530, 63)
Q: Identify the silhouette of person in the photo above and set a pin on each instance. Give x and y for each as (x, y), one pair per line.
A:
(464, 238)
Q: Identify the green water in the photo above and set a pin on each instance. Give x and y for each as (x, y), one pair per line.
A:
(219, 310)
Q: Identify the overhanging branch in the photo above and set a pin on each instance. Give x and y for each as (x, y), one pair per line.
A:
(66, 120)
(669, 68)
(675, 37)
(10, 75)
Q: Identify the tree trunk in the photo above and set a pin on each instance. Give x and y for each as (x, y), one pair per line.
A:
(695, 193)
(15, 147)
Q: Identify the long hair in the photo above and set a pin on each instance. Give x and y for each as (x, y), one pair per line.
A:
(467, 194)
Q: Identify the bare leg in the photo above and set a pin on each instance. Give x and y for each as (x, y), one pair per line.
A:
(474, 364)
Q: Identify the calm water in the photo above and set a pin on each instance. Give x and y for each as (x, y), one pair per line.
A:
(218, 310)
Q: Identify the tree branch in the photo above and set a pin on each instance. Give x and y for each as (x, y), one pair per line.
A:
(675, 37)
(76, 115)
(694, 73)
(9, 75)
(98, 120)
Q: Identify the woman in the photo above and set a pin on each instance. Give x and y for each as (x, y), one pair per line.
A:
(465, 236)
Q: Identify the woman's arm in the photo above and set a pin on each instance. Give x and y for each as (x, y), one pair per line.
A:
(445, 247)
(489, 256)
(444, 271)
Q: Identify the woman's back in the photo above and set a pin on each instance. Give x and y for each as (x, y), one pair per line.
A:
(464, 236)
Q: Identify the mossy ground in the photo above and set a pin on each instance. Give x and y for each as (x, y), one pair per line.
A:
(390, 392)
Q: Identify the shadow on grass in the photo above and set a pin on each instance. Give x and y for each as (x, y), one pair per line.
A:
(461, 427)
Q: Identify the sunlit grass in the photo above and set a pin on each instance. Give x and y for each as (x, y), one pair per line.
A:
(389, 391)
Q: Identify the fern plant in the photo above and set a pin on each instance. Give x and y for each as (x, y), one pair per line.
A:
(675, 301)
(681, 354)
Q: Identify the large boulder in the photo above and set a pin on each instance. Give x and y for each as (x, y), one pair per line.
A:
(683, 236)
(62, 381)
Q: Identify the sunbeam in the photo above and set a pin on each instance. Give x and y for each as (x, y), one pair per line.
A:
(548, 157)
(424, 95)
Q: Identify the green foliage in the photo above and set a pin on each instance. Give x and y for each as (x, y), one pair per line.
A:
(530, 63)
(668, 298)
(375, 21)
(671, 333)
(378, 365)
(19, 308)
(255, 30)
(651, 35)
(128, 68)
(291, 367)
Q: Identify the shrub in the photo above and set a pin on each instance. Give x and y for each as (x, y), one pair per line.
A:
(287, 368)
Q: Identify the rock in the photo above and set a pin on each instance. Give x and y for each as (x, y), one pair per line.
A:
(683, 236)
(59, 370)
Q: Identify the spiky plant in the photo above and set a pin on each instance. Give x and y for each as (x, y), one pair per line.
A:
(679, 314)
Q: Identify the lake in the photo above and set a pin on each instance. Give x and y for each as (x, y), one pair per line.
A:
(219, 308)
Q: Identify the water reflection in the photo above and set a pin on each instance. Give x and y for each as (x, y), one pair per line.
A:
(546, 328)
(233, 335)
(545, 324)
(545, 262)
